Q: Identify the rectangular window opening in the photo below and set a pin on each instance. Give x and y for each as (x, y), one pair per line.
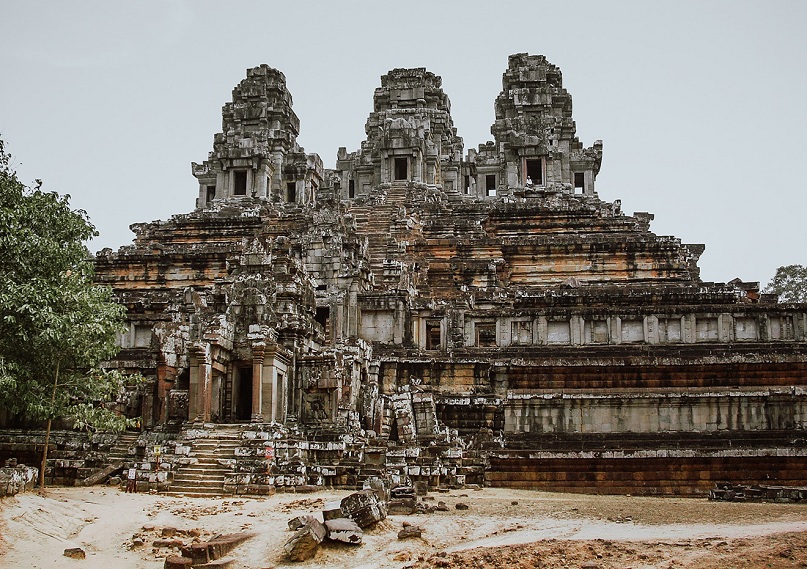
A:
(433, 335)
(323, 317)
(490, 184)
(535, 172)
(240, 183)
(211, 194)
(579, 182)
(486, 335)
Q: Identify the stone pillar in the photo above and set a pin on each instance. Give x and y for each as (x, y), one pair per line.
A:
(276, 397)
(258, 349)
(204, 395)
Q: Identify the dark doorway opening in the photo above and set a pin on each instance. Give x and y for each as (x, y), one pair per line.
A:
(243, 394)
(183, 380)
(490, 184)
(351, 188)
(401, 169)
(535, 171)
(579, 182)
(323, 317)
(291, 192)
(433, 335)
(211, 194)
(240, 183)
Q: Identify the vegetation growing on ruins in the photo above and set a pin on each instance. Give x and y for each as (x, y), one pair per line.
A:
(56, 325)
(789, 283)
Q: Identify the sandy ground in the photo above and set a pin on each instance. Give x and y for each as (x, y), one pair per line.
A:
(501, 528)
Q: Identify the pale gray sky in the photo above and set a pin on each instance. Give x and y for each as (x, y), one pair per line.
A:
(701, 105)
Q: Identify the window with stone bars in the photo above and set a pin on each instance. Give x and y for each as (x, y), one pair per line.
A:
(486, 335)
(433, 335)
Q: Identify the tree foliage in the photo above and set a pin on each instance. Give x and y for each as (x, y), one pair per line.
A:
(56, 325)
(790, 283)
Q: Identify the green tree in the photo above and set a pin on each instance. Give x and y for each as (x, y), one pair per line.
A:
(56, 325)
(790, 283)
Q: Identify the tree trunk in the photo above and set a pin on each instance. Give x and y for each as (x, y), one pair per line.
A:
(47, 429)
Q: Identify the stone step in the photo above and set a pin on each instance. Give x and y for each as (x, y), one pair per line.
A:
(201, 483)
(200, 475)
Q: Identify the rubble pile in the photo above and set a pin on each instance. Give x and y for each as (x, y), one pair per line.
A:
(757, 493)
(343, 522)
(16, 478)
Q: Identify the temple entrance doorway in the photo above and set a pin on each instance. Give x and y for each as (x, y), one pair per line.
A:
(242, 396)
(401, 169)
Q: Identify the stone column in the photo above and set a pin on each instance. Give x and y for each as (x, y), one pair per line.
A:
(258, 349)
(204, 394)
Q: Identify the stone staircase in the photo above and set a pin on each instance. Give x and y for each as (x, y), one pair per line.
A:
(120, 450)
(116, 460)
(381, 225)
(214, 458)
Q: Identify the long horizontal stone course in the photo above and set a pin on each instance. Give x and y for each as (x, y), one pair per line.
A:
(695, 475)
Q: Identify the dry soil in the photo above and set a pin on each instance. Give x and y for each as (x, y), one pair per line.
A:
(500, 528)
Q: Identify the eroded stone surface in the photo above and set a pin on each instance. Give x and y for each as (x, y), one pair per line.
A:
(305, 541)
(344, 530)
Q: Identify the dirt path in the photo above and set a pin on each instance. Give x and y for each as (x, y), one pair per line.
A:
(501, 528)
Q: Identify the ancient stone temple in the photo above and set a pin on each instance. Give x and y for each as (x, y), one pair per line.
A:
(450, 316)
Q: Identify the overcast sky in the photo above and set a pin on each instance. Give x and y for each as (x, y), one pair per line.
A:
(701, 106)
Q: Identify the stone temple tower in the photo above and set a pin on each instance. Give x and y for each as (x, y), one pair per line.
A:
(256, 155)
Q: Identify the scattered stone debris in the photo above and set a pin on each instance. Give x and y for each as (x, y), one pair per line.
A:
(401, 506)
(306, 504)
(16, 478)
(741, 493)
(410, 531)
(75, 553)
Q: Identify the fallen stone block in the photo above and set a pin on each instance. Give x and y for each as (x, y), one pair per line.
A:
(364, 508)
(177, 562)
(75, 553)
(344, 530)
(100, 475)
(401, 506)
(305, 541)
(461, 506)
(332, 511)
(410, 531)
(403, 492)
(441, 506)
(214, 549)
(300, 521)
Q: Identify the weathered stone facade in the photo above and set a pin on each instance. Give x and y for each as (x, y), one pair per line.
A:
(441, 315)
